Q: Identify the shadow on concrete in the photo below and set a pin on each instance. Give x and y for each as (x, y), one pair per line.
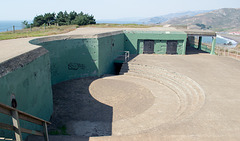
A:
(191, 50)
(77, 113)
(119, 61)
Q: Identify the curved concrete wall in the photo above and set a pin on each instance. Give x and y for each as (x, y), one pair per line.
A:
(27, 77)
(73, 57)
(29, 73)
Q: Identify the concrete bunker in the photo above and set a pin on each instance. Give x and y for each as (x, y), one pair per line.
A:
(62, 58)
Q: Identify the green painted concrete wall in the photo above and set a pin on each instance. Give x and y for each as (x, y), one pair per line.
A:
(110, 48)
(203, 48)
(71, 59)
(31, 85)
(75, 58)
(134, 41)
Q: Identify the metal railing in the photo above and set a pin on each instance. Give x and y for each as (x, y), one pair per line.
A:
(229, 52)
(127, 56)
(16, 115)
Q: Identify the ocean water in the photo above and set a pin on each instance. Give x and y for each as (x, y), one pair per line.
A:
(8, 25)
(220, 41)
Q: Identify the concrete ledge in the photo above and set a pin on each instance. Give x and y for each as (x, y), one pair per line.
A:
(70, 37)
(20, 61)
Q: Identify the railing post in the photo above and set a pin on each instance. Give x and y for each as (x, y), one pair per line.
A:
(236, 54)
(126, 56)
(16, 124)
(45, 131)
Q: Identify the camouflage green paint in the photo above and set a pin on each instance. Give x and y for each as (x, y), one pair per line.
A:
(31, 85)
(213, 45)
(73, 58)
(110, 48)
(134, 41)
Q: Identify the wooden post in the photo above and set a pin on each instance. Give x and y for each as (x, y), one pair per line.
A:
(45, 131)
(16, 125)
(13, 29)
(44, 27)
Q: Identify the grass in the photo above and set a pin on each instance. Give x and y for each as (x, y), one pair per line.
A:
(53, 30)
(37, 32)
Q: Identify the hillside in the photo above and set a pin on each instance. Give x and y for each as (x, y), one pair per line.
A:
(226, 19)
(164, 18)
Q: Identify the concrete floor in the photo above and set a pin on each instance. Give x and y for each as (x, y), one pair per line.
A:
(131, 107)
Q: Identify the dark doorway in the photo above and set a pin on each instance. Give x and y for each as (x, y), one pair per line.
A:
(172, 47)
(148, 47)
(117, 68)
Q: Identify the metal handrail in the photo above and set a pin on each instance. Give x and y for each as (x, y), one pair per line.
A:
(16, 115)
(127, 56)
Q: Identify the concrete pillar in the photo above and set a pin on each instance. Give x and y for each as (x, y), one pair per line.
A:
(213, 45)
(200, 43)
(184, 47)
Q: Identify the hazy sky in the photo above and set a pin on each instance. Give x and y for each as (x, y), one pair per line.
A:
(107, 9)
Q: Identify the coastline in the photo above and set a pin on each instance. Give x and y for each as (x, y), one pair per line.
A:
(232, 37)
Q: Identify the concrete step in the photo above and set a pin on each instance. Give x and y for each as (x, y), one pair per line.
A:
(189, 91)
(161, 112)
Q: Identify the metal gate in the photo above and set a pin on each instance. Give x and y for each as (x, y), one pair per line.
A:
(148, 47)
(172, 47)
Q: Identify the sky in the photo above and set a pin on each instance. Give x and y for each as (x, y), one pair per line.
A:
(107, 9)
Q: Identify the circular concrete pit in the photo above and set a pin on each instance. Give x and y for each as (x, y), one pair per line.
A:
(145, 98)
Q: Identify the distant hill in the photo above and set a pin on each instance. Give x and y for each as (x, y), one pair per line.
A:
(226, 19)
(164, 18)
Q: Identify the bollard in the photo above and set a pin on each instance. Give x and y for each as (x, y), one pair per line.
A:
(13, 29)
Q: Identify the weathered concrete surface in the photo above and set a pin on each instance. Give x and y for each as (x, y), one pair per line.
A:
(218, 119)
(147, 108)
(15, 47)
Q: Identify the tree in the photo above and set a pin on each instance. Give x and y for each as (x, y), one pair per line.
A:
(72, 16)
(63, 18)
(80, 20)
(201, 25)
(91, 20)
(84, 19)
(66, 17)
(26, 25)
(38, 21)
(49, 18)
